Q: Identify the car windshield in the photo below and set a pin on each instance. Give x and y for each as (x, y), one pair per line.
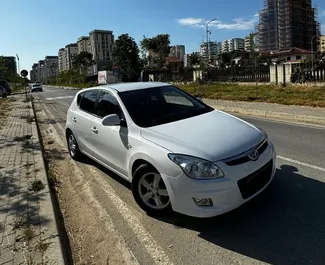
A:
(160, 105)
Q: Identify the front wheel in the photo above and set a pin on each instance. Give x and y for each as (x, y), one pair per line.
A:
(73, 147)
(150, 192)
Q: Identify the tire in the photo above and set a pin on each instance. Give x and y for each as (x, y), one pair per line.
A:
(148, 181)
(4, 95)
(73, 147)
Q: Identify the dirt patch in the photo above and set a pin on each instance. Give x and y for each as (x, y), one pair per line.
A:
(4, 110)
(90, 241)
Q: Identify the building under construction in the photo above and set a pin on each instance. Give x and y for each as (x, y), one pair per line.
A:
(287, 24)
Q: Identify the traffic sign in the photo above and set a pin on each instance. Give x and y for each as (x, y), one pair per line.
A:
(24, 73)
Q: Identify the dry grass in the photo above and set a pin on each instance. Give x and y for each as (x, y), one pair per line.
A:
(290, 95)
(4, 109)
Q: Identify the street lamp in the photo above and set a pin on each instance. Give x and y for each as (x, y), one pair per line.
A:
(312, 51)
(207, 36)
(18, 64)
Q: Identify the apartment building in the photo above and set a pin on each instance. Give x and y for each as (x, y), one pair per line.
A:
(33, 72)
(40, 71)
(101, 47)
(51, 67)
(178, 51)
(236, 44)
(61, 59)
(66, 56)
(321, 44)
(10, 62)
(83, 44)
(215, 48)
(225, 46)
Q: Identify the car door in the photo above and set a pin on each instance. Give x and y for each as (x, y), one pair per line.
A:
(82, 119)
(111, 141)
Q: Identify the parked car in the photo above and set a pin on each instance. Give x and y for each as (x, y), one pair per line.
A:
(5, 84)
(36, 87)
(177, 152)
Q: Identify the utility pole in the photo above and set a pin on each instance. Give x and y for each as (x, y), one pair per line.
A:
(312, 56)
(207, 36)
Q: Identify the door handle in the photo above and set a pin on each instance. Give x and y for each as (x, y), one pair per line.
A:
(74, 119)
(94, 129)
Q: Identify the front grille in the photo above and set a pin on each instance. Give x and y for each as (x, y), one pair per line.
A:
(256, 181)
(240, 159)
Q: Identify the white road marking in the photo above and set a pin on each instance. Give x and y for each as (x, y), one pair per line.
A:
(63, 97)
(301, 163)
(149, 243)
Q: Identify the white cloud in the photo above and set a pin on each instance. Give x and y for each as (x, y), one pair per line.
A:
(235, 24)
(190, 21)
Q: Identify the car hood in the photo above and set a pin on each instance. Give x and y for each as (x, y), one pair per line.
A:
(214, 136)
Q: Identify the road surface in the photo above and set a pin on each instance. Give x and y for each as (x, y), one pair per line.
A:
(284, 225)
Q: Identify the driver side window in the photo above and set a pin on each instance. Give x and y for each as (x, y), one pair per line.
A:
(107, 104)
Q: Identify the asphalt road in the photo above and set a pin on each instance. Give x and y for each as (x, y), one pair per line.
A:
(284, 225)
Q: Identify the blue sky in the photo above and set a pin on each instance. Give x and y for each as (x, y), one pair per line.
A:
(36, 28)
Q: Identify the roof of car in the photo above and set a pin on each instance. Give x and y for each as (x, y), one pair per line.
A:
(123, 87)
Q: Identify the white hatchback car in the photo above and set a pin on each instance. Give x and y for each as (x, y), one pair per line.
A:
(177, 152)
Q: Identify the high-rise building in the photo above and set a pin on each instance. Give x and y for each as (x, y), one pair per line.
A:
(40, 71)
(51, 67)
(61, 59)
(178, 51)
(10, 62)
(84, 44)
(33, 73)
(214, 49)
(101, 47)
(286, 24)
(236, 44)
(66, 56)
(321, 44)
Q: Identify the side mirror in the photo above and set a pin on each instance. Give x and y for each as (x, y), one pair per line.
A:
(111, 120)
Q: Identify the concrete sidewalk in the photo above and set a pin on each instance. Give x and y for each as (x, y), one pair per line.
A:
(271, 110)
(28, 229)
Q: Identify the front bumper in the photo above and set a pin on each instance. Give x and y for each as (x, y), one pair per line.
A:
(227, 193)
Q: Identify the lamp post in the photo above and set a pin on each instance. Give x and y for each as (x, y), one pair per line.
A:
(312, 51)
(207, 36)
(18, 63)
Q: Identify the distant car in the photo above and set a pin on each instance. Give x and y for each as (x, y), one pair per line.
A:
(5, 84)
(3, 92)
(177, 152)
(36, 88)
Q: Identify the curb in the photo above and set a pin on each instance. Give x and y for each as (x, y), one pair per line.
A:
(54, 253)
(274, 115)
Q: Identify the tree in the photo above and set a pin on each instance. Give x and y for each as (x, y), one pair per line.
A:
(126, 57)
(159, 47)
(194, 59)
(83, 61)
(3, 67)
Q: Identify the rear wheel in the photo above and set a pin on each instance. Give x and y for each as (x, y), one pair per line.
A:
(150, 191)
(4, 95)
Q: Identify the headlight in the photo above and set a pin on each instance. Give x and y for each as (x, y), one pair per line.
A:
(196, 168)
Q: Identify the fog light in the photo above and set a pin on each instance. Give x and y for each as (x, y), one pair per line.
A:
(203, 201)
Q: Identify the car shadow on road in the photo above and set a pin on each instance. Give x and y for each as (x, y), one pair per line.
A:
(283, 225)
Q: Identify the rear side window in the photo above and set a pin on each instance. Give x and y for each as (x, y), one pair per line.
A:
(79, 98)
(88, 101)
